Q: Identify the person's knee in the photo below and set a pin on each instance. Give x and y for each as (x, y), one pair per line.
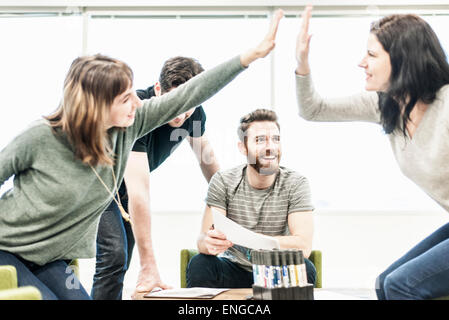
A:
(199, 270)
(379, 286)
(396, 287)
(389, 286)
(197, 265)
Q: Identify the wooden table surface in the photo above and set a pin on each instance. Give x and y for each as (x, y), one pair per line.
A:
(231, 294)
(320, 294)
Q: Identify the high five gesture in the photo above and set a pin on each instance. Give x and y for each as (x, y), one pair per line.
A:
(303, 42)
(267, 44)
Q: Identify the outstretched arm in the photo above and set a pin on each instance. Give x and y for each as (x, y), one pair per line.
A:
(359, 107)
(159, 110)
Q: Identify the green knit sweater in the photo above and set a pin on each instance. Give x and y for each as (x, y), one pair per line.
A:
(53, 209)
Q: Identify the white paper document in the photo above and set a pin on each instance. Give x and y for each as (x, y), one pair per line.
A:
(242, 236)
(187, 293)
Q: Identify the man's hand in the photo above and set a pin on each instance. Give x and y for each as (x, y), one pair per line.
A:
(267, 44)
(216, 242)
(147, 281)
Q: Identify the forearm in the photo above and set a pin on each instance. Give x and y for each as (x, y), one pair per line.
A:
(159, 110)
(141, 225)
(248, 57)
(358, 107)
(295, 242)
(205, 156)
(201, 244)
(303, 68)
(209, 170)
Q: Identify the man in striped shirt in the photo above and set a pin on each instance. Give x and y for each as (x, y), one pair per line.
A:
(261, 196)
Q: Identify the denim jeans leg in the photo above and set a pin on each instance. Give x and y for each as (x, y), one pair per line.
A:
(130, 241)
(215, 272)
(422, 273)
(61, 280)
(54, 280)
(234, 276)
(311, 271)
(24, 275)
(111, 257)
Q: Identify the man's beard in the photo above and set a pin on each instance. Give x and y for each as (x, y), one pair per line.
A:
(267, 170)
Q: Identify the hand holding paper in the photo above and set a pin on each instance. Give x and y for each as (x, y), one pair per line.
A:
(216, 242)
(242, 236)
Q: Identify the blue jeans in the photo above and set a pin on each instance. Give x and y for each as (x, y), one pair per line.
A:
(422, 273)
(55, 280)
(115, 243)
(216, 272)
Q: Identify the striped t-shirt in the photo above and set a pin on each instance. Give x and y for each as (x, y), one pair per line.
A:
(263, 211)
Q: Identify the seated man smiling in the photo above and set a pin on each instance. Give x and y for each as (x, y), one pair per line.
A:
(261, 196)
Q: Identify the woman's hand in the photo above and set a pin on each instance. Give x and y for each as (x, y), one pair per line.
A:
(267, 44)
(303, 43)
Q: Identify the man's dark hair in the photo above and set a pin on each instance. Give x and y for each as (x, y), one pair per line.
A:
(178, 70)
(256, 115)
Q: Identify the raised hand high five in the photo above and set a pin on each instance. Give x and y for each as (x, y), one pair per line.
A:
(303, 43)
(267, 44)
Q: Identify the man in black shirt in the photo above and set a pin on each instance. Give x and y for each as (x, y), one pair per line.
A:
(115, 238)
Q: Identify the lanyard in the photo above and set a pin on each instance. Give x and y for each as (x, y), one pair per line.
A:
(125, 215)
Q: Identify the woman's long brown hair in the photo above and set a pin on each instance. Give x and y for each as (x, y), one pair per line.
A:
(90, 87)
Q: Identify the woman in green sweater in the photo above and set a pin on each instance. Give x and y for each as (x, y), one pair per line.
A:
(407, 83)
(67, 166)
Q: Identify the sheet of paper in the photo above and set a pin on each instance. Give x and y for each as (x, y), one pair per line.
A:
(242, 236)
(200, 293)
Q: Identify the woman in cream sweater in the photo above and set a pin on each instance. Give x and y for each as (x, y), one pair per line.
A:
(407, 93)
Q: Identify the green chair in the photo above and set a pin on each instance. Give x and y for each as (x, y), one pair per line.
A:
(9, 289)
(187, 254)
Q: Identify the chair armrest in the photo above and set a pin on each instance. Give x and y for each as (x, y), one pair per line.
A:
(186, 255)
(22, 293)
(8, 277)
(316, 258)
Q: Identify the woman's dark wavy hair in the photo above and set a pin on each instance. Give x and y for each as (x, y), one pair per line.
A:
(419, 67)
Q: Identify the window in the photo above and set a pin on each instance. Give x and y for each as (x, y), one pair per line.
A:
(35, 56)
(349, 165)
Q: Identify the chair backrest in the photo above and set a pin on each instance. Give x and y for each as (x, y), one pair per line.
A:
(187, 254)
